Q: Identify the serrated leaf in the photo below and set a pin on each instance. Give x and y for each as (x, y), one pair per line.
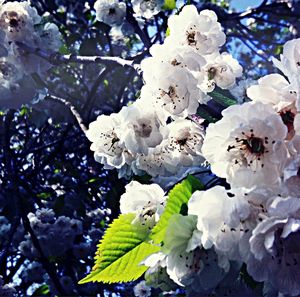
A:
(177, 198)
(120, 252)
(169, 4)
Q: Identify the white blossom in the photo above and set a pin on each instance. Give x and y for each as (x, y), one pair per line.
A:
(289, 62)
(247, 145)
(146, 201)
(181, 148)
(147, 8)
(17, 20)
(142, 290)
(184, 142)
(175, 91)
(166, 54)
(104, 133)
(141, 129)
(201, 31)
(240, 90)
(275, 90)
(111, 12)
(275, 247)
(221, 70)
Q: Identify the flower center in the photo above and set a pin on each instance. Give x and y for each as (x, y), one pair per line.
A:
(255, 145)
(182, 142)
(143, 129)
(191, 38)
(13, 22)
(111, 11)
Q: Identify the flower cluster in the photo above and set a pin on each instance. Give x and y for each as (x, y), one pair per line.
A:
(20, 24)
(47, 228)
(113, 12)
(158, 134)
(255, 147)
(253, 224)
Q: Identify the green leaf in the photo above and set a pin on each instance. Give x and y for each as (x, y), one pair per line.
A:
(169, 4)
(120, 252)
(42, 290)
(222, 98)
(177, 197)
(203, 113)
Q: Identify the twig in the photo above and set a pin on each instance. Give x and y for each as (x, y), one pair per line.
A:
(58, 59)
(72, 109)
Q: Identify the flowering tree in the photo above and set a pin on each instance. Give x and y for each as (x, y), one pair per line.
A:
(167, 131)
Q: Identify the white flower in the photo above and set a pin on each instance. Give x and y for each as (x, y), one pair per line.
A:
(147, 8)
(184, 142)
(289, 62)
(175, 91)
(222, 71)
(219, 216)
(17, 20)
(156, 162)
(182, 238)
(180, 148)
(275, 247)
(247, 145)
(10, 73)
(201, 31)
(142, 290)
(141, 128)
(50, 37)
(104, 133)
(275, 90)
(167, 55)
(146, 201)
(240, 90)
(111, 12)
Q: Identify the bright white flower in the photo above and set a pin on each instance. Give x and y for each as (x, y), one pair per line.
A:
(275, 90)
(219, 214)
(141, 128)
(147, 8)
(175, 91)
(187, 263)
(104, 133)
(111, 12)
(181, 240)
(146, 201)
(178, 57)
(240, 90)
(184, 142)
(180, 148)
(142, 290)
(275, 247)
(156, 162)
(289, 62)
(247, 145)
(222, 71)
(201, 31)
(17, 20)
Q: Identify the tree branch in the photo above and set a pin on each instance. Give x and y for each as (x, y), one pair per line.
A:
(58, 59)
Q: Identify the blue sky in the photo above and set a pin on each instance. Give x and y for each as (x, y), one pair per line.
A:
(241, 5)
